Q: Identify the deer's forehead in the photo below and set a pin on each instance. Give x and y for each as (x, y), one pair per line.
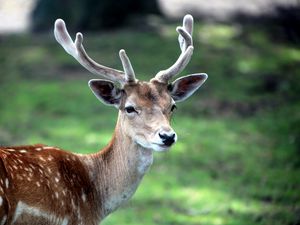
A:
(148, 94)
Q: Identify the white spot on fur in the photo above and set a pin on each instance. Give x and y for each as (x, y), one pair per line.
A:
(42, 159)
(83, 197)
(6, 183)
(1, 201)
(23, 151)
(32, 166)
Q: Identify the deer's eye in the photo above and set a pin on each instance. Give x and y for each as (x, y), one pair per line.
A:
(130, 109)
(173, 108)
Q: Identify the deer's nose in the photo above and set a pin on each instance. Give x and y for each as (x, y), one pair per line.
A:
(167, 138)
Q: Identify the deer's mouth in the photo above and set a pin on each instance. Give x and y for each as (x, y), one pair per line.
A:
(161, 147)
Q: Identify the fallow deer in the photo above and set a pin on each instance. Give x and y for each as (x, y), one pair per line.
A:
(47, 185)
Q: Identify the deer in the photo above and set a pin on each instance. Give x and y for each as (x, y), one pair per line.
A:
(41, 184)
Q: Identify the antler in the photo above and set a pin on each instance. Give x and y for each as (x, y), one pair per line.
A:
(77, 50)
(186, 46)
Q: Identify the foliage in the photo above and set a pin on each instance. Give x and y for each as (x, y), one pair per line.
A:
(237, 158)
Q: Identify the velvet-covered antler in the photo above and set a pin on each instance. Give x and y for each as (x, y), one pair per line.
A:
(186, 46)
(77, 50)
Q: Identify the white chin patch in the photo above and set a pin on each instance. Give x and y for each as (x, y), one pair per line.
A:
(160, 148)
(155, 147)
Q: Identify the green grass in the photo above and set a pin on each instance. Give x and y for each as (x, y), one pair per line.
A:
(236, 161)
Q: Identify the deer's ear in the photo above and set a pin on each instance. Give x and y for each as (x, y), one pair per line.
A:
(106, 91)
(184, 87)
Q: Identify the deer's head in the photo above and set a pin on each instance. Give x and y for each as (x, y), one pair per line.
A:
(145, 108)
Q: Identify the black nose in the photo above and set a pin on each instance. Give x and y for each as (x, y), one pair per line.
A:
(168, 140)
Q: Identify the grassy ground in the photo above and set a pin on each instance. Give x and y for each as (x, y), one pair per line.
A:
(237, 159)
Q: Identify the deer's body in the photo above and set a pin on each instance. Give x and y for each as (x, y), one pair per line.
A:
(82, 189)
(34, 176)
(46, 185)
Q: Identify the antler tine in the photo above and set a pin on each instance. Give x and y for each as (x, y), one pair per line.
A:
(186, 46)
(129, 72)
(188, 26)
(77, 50)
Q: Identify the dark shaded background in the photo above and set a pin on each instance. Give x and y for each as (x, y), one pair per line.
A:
(91, 14)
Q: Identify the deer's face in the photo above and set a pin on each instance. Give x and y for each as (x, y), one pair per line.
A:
(145, 110)
(146, 107)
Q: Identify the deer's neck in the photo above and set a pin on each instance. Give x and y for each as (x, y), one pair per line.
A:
(117, 170)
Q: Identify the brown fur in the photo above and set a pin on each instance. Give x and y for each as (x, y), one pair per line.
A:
(39, 177)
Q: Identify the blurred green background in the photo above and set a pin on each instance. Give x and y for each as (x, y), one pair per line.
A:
(237, 158)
